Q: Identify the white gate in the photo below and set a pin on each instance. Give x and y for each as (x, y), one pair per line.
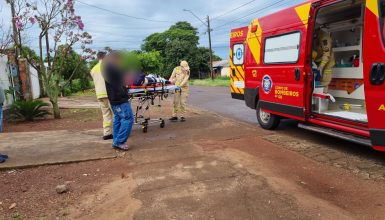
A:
(4, 79)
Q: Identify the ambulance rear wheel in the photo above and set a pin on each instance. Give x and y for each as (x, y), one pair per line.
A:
(267, 120)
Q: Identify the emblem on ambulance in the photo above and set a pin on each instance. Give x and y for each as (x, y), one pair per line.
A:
(239, 54)
(267, 84)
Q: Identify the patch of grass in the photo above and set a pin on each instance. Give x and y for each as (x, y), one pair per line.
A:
(219, 81)
(88, 92)
(16, 216)
(84, 115)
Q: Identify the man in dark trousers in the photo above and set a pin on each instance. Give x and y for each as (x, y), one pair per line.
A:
(118, 97)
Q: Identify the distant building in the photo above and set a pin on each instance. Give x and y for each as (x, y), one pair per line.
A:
(222, 68)
(18, 83)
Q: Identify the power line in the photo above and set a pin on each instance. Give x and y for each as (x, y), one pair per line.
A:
(254, 12)
(226, 29)
(121, 14)
(232, 10)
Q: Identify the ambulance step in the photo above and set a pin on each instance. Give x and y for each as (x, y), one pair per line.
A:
(337, 134)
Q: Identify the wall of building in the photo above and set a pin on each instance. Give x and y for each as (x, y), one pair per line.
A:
(35, 84)
(225, 71)
(4, 79)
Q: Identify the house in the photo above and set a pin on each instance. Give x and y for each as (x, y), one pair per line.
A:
(222, 68)
(22, 82)
(5, 81)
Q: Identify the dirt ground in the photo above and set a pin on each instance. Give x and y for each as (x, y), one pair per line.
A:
(82, 118)
(210, 167)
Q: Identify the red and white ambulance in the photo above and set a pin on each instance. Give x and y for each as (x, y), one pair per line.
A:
(279, 73)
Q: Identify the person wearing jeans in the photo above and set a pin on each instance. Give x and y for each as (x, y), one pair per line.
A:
(118, 97)
(122, 123)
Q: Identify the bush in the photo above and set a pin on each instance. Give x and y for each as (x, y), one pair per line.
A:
(29, 110)
(77, 85)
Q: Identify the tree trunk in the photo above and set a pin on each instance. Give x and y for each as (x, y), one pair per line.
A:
(55, 108)
(53, 91)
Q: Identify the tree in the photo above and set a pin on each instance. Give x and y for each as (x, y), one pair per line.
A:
(28, 53)
(150, 62)
(56, 17)
(131, 61)
(179, 42)
(74, 66)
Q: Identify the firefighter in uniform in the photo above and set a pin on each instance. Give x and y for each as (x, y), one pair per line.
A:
(101, 95)
(325, 58)
(180, 77)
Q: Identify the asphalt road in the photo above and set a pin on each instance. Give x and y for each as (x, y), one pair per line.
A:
(218, 100)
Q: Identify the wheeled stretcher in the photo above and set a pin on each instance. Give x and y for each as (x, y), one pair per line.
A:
(144, 97)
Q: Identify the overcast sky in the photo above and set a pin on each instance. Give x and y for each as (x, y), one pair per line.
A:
(124, 32)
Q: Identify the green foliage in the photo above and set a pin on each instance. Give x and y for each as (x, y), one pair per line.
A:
(16, 216)
(219, 81)
(29, 54)
(131, 61)
(179, 42)
(148, 62)
(151, 62)
(29, 110)
(77, 85)
(93, 63)
(70, 65)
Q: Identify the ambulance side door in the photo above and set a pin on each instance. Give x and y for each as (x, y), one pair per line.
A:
(374, 70)
(282, 73)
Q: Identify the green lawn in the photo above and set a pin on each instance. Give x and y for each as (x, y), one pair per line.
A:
(219, 81)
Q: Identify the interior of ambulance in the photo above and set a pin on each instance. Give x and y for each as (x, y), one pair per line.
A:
(337, 51)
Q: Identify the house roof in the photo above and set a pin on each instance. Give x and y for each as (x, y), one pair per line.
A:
(221, 63)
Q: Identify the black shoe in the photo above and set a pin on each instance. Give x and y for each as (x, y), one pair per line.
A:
(108, 137)
(174, 119)
(4, 156)
(182, 119)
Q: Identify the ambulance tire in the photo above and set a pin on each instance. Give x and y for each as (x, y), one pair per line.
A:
(266, 120)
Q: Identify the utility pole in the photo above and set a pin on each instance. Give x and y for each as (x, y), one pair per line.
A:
(210, 48)
(14, 28)
(207, 24)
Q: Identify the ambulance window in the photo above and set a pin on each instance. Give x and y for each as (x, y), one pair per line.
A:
(238, 54)
(282, 48)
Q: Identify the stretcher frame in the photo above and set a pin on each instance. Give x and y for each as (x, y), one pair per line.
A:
(146, 97)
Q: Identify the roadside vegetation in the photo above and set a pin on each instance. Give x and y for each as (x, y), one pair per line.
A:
(29, 110)
(219, 81)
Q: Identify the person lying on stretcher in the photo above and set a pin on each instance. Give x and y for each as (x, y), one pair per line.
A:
(140, 79)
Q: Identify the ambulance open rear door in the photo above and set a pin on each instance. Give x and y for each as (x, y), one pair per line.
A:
(237, 73)
(374, 70)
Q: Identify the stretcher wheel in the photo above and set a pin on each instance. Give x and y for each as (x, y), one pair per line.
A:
(162, 124)
(144, 128)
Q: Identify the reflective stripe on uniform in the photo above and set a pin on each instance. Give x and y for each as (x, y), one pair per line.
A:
(328, 71)
(107, 124)
(101, 95)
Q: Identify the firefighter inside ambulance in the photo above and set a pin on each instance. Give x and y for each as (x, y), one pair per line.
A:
(337, 64)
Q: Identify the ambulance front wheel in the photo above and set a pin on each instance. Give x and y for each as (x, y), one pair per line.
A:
(267, 120)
